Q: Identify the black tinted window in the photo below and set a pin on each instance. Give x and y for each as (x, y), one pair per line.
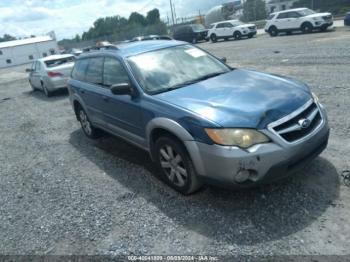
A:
(114, 72)
(94, 70)
(80, 69)
(282, 16)
(271, 17)
(220, 26)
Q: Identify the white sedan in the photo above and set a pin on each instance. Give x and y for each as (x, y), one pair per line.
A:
(50, 73)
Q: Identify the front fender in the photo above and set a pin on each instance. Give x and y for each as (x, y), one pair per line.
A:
(181, 133)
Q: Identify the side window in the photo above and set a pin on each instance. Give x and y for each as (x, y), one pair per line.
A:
(293, 15)
(228, 25)
(282, 16)
(114, 72)
(94, 71)
(79, 69)
(38, 66)
(33, 66)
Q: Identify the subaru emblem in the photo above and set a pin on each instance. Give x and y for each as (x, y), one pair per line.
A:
(304, 123)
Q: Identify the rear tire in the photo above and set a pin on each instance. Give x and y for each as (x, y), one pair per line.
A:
(307, 28)
(31, 85)
(213, 38)
(176, 166)
(237, 35)
(273, 31)
(89, 130)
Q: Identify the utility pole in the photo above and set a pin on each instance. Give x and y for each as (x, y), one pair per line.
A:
(312, 5)
(175, 14)
(172, 11)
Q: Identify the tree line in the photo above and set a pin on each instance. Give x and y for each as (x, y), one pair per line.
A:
(116, 28)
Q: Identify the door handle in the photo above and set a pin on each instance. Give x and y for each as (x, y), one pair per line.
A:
(105, 98)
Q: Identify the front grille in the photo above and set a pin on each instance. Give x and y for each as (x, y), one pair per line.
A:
(293, 129)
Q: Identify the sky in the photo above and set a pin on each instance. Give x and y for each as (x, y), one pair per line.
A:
(68, 17)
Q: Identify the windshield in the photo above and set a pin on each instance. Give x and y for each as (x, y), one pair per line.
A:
(61, 61)
(237, 23)
(163, 70)
(306, 12)
(198, 27)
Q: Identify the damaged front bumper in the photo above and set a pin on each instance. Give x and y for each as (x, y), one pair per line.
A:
(263, 163)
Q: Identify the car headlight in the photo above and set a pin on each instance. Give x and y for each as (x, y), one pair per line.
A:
(243, 138)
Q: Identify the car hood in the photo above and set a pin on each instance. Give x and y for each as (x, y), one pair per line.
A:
(241, 98)
(319, 15)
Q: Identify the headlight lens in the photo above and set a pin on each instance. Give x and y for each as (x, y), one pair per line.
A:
(243, 138)
(315, 98)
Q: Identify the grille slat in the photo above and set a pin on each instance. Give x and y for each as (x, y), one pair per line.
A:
(292, 130)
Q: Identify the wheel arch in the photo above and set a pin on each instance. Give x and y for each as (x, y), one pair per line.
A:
(164, 126)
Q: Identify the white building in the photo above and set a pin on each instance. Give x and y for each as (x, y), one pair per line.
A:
(24, 51)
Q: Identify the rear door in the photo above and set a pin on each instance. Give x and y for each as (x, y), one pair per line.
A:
(122, 112)
(90, 88)
(220, 30)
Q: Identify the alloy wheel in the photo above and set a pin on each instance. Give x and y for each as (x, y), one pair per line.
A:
(173, 166)
(85, 123)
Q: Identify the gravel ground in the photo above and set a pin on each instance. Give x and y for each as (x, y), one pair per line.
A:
(61, 193)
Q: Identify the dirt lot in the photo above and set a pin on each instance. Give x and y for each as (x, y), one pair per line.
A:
(61, 193)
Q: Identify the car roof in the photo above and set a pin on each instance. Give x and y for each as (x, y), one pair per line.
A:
(55, 57)
(289, 10)
(135, 48)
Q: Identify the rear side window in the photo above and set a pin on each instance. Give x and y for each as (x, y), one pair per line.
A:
(220, 26)
(282, 16)
(114, 72)
(94, 71)
(293, 15)
(79, 69)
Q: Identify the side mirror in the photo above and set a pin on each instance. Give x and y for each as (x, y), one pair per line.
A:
(29, 70)
(223, 59)
(122, 89)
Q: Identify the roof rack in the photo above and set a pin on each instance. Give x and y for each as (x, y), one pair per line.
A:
(97, 48)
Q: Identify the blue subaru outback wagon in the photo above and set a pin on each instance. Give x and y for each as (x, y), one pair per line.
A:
(200, 120)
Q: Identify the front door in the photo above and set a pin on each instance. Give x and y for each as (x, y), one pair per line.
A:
(122, 112)
(35, 74)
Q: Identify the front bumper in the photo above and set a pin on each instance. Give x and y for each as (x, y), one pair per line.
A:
(265, 162)
(323, 24)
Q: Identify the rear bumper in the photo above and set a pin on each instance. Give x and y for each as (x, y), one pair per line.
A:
(265, 162)
(55, 83)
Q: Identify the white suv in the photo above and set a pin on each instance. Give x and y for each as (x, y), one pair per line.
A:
(300, 19)
(230, 28)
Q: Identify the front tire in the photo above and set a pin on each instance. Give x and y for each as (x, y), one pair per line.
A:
(213, 38)
(237, 35)
(176, 166)
(89, 130)
(307, 28)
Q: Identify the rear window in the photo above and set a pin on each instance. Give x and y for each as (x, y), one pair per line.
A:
(58, 62)
(79, 69)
